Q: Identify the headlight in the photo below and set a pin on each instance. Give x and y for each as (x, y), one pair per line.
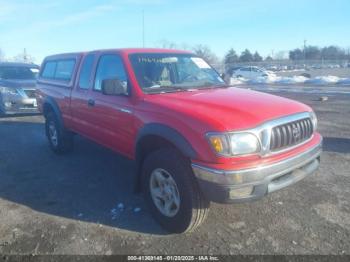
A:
(244, 143)
(234, 144)
(8, 91)
(314, 120)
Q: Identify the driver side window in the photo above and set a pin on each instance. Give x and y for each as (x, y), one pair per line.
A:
(110, 67)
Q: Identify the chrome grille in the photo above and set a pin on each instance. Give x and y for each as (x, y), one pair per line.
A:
(290, 134)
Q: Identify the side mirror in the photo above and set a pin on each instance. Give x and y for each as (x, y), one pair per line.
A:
(114, 87)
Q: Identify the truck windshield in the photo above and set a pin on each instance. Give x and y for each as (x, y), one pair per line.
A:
(157, 73)
(18, 73)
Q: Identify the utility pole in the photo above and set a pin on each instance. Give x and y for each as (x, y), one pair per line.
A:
(143, 28)
(304, 49)
(25, 57)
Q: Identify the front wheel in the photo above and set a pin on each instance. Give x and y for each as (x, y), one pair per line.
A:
(172, 192)
(60, 140)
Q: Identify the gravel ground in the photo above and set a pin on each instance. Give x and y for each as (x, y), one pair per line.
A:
(62, 204)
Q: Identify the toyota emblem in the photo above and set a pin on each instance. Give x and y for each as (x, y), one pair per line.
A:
(296, 132)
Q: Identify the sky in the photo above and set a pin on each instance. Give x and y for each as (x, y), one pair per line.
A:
(46, 27)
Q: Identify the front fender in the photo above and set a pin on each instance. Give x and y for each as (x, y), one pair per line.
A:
(169, 134)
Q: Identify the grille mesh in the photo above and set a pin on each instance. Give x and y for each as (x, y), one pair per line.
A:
(291, 134)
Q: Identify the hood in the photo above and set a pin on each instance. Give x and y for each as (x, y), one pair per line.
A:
(18, 83)
(226, 109)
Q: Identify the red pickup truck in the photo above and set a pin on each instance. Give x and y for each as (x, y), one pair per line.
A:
(194, 138)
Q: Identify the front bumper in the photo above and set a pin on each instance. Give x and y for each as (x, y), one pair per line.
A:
(18, 104)
(250, 184)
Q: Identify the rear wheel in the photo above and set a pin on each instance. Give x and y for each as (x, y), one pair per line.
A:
(60, 140)
(172, 192)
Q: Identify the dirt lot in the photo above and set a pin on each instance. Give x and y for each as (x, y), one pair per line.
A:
(62, 204)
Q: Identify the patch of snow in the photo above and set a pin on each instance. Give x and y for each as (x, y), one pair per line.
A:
(137, 209)
(272, 79)
(292, 80)
(292, 70)
(237, 81)
(323, 80)
(115, 212)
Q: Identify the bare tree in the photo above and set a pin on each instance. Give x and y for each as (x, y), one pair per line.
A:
(168, 44)
(23, 57)
(185, 46)
(173, 45)
(268, 59)
(281, 55)
(205, 52)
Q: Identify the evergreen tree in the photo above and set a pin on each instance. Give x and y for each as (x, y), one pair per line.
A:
(257, 57)
(246, 56)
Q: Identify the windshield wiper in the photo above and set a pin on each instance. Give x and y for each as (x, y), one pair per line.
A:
(171, 89)
(209, 85)
(163, 89)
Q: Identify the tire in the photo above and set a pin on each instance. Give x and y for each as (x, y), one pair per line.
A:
(193, 206)
(60, 140)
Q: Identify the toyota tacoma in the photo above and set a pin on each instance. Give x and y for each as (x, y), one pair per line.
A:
(194, 139)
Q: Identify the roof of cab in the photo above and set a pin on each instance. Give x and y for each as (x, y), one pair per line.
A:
(119, 50)
(145, 50)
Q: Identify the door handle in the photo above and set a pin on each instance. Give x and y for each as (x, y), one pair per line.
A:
(91, 102)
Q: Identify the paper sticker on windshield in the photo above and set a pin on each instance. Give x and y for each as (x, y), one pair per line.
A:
(200, 62)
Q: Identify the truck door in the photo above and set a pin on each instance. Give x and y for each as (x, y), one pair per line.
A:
(111, 116)
(80, 107)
